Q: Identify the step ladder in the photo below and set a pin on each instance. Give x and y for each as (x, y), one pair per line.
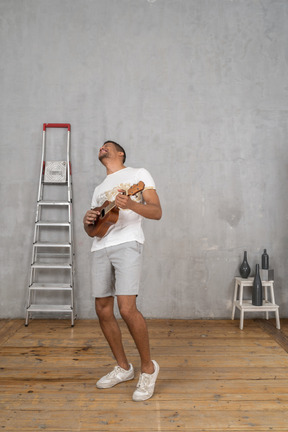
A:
(51, 285)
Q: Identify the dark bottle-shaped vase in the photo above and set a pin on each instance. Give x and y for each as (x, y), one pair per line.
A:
(265, 260)
(245, 268)
(257, 296)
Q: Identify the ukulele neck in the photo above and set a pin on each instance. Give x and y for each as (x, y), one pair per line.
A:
(112, 203)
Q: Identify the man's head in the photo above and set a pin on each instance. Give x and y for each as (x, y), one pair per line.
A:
(110, 147)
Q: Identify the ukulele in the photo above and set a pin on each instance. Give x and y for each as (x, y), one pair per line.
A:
(109, 213)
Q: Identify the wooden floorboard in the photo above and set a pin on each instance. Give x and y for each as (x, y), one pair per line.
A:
(213, 377)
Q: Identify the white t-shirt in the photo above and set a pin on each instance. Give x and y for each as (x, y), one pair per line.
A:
(129, 225)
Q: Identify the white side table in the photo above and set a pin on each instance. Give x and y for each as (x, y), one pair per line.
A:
(246, 305)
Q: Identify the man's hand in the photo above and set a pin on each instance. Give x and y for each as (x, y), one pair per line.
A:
(90, 217)
(123, 201)
(151, 209)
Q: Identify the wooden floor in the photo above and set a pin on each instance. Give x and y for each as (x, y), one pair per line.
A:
(213, 377)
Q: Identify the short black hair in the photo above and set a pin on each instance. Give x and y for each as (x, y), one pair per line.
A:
(118, 147)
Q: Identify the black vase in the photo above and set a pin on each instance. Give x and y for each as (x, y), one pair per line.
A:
(265, 260)
(245, 268)
(257, 296)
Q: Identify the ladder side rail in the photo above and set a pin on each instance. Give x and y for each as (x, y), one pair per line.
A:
(69, 173)
(32, 276)
(70, 246)
(72, 287)
(72, 264)
(35, 238)
(69, 186)
(38, 213)
(69, 213)
(42, 167)
(71, 277)
(36, 233)
(72, 296)
(31, 293)
(37, 217)
(34, 255)
(70, 234)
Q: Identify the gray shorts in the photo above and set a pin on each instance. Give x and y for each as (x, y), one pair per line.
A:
(116, 270)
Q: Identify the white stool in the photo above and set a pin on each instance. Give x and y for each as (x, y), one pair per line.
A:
(246, 305)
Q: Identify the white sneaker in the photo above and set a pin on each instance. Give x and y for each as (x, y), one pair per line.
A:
(146, 385)
(117, 376)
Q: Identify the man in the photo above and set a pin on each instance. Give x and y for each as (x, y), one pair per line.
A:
(117, 259)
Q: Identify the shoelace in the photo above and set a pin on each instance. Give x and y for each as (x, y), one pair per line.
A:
(114, 372)
(143, 382)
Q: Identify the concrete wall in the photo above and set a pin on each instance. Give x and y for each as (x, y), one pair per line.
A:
(197, 92)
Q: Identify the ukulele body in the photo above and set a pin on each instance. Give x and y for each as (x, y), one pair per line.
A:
(104, 220)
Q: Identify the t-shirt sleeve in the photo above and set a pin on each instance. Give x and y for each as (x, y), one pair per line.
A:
(147, 179)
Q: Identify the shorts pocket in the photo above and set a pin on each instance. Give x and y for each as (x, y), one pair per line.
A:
(138, 247)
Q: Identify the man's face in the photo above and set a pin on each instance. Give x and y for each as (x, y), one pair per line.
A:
(108, 150)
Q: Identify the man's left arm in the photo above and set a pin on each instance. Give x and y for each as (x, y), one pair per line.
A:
(150, 210)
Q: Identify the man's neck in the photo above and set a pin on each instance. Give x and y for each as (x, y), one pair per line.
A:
(112, 168)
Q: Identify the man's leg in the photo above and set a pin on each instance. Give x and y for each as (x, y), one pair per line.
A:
(110, 328)
(138, 329)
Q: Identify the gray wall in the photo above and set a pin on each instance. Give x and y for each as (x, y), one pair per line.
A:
(196, 91)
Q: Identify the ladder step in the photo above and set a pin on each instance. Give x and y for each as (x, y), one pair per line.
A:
(58, 183)
(55, 224)
(52, 257)
(49, 308)
(50, 286)
(51, 266)
(53, 203)
(48, 244)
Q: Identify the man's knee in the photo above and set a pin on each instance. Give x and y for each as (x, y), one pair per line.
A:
(127, 309)
(104, 307)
